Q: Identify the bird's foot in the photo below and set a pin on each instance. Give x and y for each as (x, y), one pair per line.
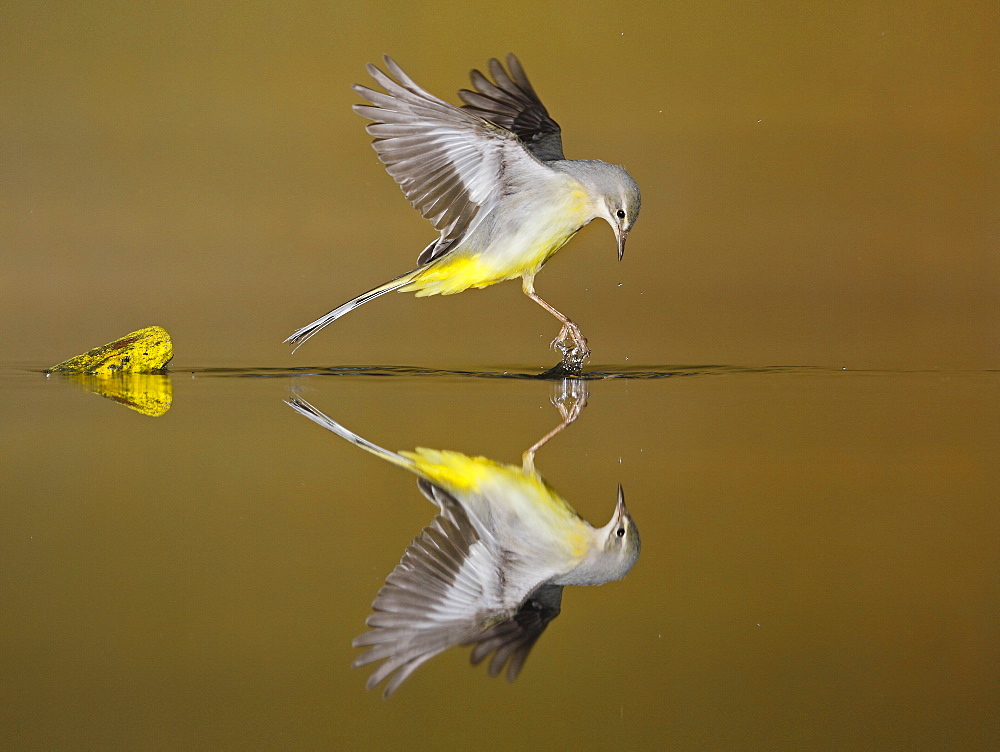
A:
(572, 345)
(569, 398)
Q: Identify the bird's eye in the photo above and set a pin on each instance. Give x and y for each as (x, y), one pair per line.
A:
(621, 532)
(620, 213)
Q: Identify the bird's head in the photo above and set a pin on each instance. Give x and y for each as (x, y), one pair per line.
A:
(620, 202)
(612, 553)
(620, 540)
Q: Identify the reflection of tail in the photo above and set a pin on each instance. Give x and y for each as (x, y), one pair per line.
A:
(453, 471)
(304, 408)
(309, 330)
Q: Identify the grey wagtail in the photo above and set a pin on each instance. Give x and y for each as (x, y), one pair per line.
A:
(492, 178)
(489, 571)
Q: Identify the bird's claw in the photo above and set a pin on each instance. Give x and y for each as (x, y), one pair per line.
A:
(570, 398)
(572, 345)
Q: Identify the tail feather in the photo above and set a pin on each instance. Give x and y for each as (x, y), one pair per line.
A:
(301, 335)
(320, 418)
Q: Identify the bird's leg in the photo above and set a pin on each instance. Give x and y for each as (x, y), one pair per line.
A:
(569, 401)
(570, 343)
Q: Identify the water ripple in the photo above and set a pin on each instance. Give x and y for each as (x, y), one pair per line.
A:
(553, 374)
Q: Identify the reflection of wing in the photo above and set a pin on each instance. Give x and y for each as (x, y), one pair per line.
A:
(442, 591)
(513, 638)
(448, 588)
(512, 104)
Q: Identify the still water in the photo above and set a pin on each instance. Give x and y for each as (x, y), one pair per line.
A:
(818, 565)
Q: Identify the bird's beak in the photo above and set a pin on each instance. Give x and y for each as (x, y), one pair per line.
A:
(620, 510)
(622, 235)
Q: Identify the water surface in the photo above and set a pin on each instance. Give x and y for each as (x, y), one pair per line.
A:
(819, 551)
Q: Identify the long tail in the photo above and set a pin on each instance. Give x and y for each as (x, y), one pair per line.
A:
(301, 335)
(302, 407)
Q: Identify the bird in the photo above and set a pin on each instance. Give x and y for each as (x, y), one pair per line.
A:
(492, 178)
(489, 570)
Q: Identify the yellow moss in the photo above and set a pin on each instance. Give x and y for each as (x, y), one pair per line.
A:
(145, 351)
(148, 393)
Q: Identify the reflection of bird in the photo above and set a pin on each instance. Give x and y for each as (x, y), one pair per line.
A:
(490, 569)
(492, 178)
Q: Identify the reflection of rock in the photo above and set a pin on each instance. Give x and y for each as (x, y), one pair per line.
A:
(148, 393)
(145, 351)
(489, 571)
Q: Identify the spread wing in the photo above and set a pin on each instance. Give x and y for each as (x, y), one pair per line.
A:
(510, 101)
(449, 589)
(452, 165)
(511, 640)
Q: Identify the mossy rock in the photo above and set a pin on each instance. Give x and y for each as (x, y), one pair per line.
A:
(145, 351)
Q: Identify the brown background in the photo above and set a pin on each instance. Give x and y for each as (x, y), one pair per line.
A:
(819, 181)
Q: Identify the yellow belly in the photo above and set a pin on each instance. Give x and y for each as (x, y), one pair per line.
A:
(523, 493)
(451, 275)
(522, 252)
